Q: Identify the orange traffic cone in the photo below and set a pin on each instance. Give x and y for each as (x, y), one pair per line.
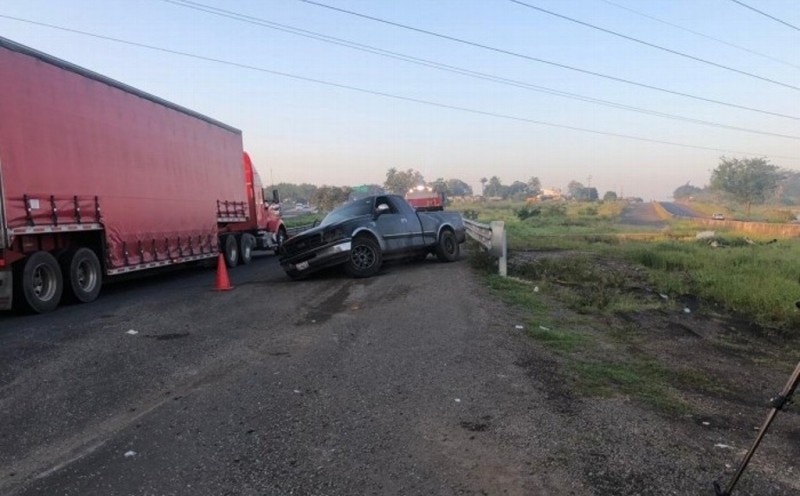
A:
(223, 283)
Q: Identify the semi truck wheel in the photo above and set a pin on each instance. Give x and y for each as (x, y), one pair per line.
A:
(365, 258)
(447, 250)
(82, 275)
(39, 283)
(230, 251)
(246, 244)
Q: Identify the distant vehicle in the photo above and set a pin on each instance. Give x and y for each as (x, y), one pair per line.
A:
(363, 233)
(718, 216)
(99, 179)
(425, 199)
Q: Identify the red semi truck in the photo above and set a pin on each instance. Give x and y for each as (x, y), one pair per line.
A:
(99, 179)
(425, 199)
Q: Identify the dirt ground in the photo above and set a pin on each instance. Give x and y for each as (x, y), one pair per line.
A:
(722, 372)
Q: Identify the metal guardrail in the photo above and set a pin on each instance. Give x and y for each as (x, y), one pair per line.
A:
(291, 231)
(491, 237)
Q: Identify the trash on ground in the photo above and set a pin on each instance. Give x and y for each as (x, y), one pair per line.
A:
(458, 400)
(706, 234)
(520, 327)
(132, 332)
(706, 423)
(129, 454)
(663, 296)
(723, 446)
(544, 328)
(536, 289)
(297, 391)
(687, 310)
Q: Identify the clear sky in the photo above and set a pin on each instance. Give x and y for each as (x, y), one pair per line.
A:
(303, 131)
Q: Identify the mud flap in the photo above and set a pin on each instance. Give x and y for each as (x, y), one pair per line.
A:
(6, 289)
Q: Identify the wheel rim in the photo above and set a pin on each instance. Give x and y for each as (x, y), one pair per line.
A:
(449, 245)
(363, 257)
(44, 282)
(86, 276)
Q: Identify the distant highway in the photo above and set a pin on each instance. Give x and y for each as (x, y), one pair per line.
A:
(680, 210)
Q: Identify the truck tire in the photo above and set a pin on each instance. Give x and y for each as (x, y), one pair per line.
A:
(230, 250)
(447, 250)
(82, 274)
(365, 258)
(246, 245)
(39, 283)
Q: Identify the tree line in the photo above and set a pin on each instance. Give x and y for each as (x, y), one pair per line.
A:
(748, 181)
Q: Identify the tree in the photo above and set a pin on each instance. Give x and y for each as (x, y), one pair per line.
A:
(573, 188)
(440, 186)
(327, 198)
(494, 188)
(457, 187)
(518, 190)
(610, 196)
(483, 185)
(586, 194)
(686, 191)
(747, 180)
(534, 186)
(399, 182)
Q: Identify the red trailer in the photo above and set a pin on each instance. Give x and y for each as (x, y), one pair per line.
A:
(425, 199)
(98, 179)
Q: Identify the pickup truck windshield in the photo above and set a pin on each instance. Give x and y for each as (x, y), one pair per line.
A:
(353, 209)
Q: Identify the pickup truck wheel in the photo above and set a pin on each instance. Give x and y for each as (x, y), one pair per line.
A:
(39, 282)
(447, 250)
(246, 244)
(82, 275)
(230, 251)
(365, 258)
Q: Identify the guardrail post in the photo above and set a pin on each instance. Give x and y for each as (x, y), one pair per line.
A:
(498, 246)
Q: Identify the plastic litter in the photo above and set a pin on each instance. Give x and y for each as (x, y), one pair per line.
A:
(686, 310)
(722, 446)
(132, 332)
(129, 454)
(706, 423)
(663, 296)
(536, 289)
(519, 327)
(458, 400)
(544, 328)
(297, 391)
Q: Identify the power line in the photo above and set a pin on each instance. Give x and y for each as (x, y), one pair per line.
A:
(453, 69)
(390, 95)
(657, 47)
(548, 62)
(703, 35)
(766, 15)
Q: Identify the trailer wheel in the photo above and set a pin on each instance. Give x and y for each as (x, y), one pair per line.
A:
(246, 244)
(230, 250)
(82, 275)
(447, 250)
(39, 283)
(365, 258)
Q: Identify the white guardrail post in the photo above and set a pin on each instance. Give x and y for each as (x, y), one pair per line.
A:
(491, 237)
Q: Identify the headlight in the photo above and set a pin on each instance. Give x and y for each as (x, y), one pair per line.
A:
(331, 236)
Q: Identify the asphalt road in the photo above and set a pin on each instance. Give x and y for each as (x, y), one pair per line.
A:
(410, 382)
(679, 210)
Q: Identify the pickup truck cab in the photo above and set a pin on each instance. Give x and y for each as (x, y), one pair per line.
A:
(361, 234)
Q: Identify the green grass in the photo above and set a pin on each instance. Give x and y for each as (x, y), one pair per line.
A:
(601, 270)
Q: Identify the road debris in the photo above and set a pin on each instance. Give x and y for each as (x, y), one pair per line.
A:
(130, 454)
(132, 332)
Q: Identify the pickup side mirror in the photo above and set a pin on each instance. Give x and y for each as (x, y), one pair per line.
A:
(275, 196)
(381, 209)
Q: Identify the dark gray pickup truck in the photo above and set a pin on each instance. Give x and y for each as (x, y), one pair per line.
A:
(361, 234)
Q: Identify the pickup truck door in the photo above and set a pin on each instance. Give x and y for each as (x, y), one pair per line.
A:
(399, 227)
